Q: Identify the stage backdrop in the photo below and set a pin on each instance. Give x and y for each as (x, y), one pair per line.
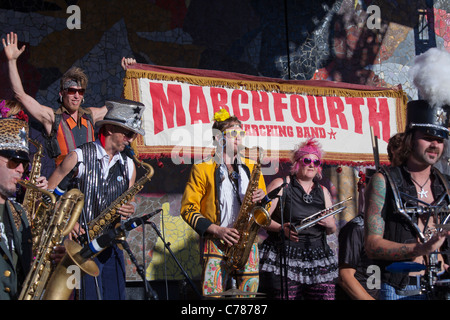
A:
(277, 114)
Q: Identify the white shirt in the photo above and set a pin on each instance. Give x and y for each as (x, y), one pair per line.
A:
(106, 164)
(228, 202)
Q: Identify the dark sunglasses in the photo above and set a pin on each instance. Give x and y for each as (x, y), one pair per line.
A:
(12, 163)
(72, 91)
(307, 162)
(127, 133)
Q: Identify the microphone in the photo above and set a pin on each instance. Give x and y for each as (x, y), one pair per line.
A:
(106, 239)
(136, 222)
(272, 195)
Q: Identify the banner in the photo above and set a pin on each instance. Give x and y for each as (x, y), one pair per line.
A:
(276, 114)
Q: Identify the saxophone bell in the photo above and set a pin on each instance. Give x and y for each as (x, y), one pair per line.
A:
(261, 216)
(65, 277)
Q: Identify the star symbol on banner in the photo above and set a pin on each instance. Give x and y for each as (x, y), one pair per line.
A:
(332, 134)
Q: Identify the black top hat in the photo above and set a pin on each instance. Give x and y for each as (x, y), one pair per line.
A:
(431, 120)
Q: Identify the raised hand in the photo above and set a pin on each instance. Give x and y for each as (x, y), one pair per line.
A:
(12, 51)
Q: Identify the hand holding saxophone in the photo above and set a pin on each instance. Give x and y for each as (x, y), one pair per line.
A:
(42, 182)
(126, 210)
(229, 235)
(258, 195)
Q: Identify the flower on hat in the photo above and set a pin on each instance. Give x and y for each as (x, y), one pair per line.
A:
(5, 112)
(221, 115)
(3, 109)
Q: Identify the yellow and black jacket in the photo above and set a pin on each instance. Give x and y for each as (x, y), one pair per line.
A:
(200, 203)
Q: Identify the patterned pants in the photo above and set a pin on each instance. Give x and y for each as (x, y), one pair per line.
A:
(216, 277)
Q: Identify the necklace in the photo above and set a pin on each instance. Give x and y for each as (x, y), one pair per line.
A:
(306, 196)
(422, 193)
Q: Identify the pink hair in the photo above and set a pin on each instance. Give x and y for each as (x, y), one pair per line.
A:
(310, 146)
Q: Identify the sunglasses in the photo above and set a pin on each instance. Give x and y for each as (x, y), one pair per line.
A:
(307, 162)
(127, 133)
(12, 163)
(235, 133)
(72, 91)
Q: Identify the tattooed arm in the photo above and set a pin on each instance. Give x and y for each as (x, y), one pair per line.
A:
(376, 246)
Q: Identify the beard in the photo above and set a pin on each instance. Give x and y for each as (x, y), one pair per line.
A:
(6, 192)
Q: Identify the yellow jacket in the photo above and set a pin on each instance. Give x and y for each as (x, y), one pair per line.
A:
(200, 203)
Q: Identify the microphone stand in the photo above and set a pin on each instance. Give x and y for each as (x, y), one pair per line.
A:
(283, 266)
(150, 294)
(167, 245)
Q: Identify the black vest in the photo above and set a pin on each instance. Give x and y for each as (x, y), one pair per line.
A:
(397, 228)
(100, 193)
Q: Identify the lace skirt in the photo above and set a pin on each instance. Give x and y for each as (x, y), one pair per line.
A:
(308, 264)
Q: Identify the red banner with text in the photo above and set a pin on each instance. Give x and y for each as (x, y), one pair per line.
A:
(276, 114)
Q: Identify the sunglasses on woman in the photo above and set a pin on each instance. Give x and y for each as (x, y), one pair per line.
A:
(307, 162)
(234, 133)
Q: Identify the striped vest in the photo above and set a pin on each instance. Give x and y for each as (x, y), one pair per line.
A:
(99, 193)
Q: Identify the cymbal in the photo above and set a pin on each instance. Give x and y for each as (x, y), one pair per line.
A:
(235, 293)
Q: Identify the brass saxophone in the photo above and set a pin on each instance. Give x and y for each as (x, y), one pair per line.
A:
(66, 212)
(97, 225)
(250, 219)
(32, 202)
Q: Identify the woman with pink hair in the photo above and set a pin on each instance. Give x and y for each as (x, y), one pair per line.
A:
(299, 265)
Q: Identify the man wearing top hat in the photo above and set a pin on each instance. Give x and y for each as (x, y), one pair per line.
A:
(402, 207)
(15, 233)
(105, 172)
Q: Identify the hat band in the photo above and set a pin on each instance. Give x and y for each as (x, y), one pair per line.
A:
(427, 125)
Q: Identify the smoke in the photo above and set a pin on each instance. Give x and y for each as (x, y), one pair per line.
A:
(431, 76)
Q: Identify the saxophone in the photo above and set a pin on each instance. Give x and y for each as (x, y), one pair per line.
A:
(97, 225)
(66, 212)
(35, 209)
(250, 219)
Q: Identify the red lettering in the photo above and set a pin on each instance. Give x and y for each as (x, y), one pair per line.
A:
(336, 111)
(278, 105)
(219, 99)
(356, 104)
(260, 104)
(379, 114)
(166, 105)
(198, 108)
(298, 108)
(239, 97)
(316, 111)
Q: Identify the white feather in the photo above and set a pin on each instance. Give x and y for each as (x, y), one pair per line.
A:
(431, 76)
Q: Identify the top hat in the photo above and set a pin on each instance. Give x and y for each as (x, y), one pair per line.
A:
(14, 139)
(432, 120)
(124, 113)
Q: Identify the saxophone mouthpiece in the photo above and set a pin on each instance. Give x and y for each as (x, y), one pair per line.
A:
(129, 151)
